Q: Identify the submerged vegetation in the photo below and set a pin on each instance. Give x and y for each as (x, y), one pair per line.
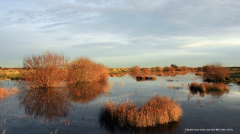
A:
(5, 93)
(158, 110)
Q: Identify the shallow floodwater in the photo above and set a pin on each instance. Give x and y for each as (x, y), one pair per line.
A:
(78, 111)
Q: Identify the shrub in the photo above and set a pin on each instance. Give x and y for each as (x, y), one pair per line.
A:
(179, 69)
(220, 87)
(135, 70)
(168, 69)
(184, 68)
(215, 72)
(174, 66)
(84, 70)
(202, 87)
(207, 69)
(158, 110)
(145, 71)
(194, 86)
(45, 70)
(158, 69)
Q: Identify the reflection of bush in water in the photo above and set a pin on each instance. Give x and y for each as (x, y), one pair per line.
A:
(45, 102)
(106, 123)
(212, 93)
(85, 92)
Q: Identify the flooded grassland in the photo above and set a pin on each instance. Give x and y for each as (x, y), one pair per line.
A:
(77, 109)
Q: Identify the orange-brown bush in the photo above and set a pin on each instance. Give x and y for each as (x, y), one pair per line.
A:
(145, 71)
(158, 110)
(194, 86)
(203, 87)
(215, 72)
(158, 69)
(184, 68)
(168, 69)
(135, 70)
(207, 69)
(45, 70)
(179, 69)
(84, 70)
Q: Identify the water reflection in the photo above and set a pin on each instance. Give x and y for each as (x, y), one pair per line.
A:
(106, 123)
(86, 92)
(212, 93)
(46, 103)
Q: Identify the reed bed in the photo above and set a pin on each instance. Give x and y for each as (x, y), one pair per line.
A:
(158, 110)
(203, 87)
(5, 93)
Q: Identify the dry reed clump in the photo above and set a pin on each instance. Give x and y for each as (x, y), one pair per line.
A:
(84, 70)
(45, 70)
(158, 110)
(194, 86)
(203, 87)
(5, 93)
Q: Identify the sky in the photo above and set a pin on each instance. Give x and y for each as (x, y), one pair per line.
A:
(122, 33)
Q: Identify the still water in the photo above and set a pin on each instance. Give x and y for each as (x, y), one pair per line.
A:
(77, 110)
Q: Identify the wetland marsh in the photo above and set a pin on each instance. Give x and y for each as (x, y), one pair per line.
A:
(77, 110)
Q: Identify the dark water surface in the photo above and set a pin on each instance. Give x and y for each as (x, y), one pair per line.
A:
(78, 110)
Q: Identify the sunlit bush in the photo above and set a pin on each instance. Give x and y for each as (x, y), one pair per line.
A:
(44, 70)
(168, 69)
(135, 70)
(84, 70)
(158, 110)
(215, 72)
(179, 69)
(184, 68)
(145, 71)
(174, 66)
(158, 69)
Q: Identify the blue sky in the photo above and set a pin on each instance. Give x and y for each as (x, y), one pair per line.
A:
(122, 33)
